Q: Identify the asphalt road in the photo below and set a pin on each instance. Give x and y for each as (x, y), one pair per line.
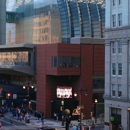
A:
(18, 125)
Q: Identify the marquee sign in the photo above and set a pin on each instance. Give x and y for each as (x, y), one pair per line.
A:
(64, 92)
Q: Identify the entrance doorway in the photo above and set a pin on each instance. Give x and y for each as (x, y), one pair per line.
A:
(68, 104)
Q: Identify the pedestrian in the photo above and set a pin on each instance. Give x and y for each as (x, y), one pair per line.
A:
(70, 127)
(67, 122)
(87, 127)
(11, 121)
(1, 126)
(120, 127)
(57, 116)
(18, 113)
(42, 117)
(74, 127)
(54, 115)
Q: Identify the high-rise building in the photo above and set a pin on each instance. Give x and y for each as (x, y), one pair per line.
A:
(31, 21)
(117, 65)
(2, 22)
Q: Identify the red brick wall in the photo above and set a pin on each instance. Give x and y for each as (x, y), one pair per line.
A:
(41, 78)
(86, 76)
(99, 53)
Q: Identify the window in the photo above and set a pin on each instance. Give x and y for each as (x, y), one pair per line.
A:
(113, 47)
(119, 2)
(119, 68)
(65, 61)
(113, 20)
(119, 90)
(120, 19)
(116, 47)
(116, 111)
(113, 92)
(119, 47)
(54, 61)
(113, 68)
(113, 2)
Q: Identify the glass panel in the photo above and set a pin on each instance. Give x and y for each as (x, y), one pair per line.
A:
(68, 61)
(32, 16)
(15, 58)
(54, 61)
(119, 69)
(119, 47)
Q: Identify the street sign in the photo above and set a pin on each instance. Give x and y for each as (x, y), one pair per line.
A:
(14, 96)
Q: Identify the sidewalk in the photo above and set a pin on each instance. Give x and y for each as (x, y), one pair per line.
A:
(35, 123)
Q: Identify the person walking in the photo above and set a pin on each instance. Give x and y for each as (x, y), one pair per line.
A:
(74, 127)
(67, 118)
(120, 127)
(11, 121)
(42, 117)
(1, 126)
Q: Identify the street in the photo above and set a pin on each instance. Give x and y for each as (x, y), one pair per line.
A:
(16, 125)
(34, 124)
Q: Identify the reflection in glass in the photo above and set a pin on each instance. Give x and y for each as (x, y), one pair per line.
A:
(14, 58)
(37, 22)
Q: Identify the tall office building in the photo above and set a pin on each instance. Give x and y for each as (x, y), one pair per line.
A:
(2, 22)
(117, 65)
(32, 21)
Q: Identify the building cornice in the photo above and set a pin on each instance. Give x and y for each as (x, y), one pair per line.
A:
(115, 99)
(117, 33)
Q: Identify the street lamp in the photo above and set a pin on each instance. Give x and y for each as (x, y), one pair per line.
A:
(28, 90)
(29, 84)
(75, 94)
(96, 101)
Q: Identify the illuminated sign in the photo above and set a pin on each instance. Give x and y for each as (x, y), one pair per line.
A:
(64, 92)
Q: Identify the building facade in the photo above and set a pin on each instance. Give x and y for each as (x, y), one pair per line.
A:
(78, 63)
(81, 18)
(117, 65)
(74, 65)
(2, 22)
(30, 21)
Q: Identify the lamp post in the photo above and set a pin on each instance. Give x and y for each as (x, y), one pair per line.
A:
(28, 90)
(75, 94)
(27, 86)
(96, 101)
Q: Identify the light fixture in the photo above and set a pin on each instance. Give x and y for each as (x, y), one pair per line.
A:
(32, 86)
(24, 87)
(75, 94)
(95, 100)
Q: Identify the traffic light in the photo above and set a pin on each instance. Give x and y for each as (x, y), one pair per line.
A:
(8, 95)
(30, 102)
